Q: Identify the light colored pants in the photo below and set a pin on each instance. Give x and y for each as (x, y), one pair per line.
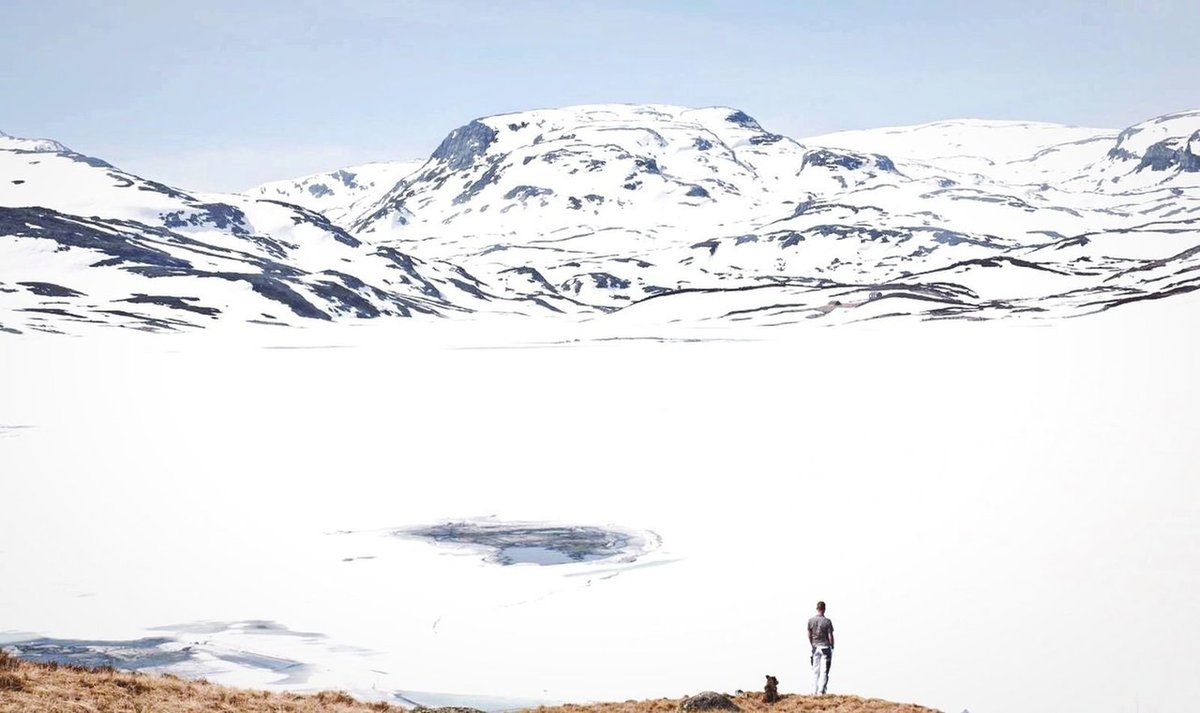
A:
(822, 657)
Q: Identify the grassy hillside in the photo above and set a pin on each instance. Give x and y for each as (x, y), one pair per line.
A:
(49, 688)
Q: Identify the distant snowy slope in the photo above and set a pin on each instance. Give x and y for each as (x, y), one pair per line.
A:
(973, 142)
(333, 193)
(1164, 151)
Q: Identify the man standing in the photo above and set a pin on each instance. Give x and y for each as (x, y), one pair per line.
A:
(820, 637)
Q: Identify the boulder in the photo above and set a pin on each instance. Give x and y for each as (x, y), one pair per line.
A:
(708, 701)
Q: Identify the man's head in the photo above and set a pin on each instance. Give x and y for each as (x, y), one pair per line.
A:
(820, 607)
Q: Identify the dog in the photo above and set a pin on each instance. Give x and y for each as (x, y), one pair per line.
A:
(771, 692)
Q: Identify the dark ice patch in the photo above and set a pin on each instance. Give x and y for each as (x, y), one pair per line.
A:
(521, 543)
(130, 655)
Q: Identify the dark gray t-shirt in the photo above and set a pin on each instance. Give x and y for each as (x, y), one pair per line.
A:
(820, 631)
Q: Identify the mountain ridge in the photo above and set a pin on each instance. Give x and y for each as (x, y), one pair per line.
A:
(588, 210)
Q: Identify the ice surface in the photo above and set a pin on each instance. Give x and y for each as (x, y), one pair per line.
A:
(968, 498)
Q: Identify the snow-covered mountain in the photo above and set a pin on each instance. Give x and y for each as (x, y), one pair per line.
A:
(661, 213)
(614, 205)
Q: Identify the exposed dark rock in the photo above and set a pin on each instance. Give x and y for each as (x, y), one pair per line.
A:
(490, 176)
(464, 145)
(790, 239)
(708, 701)
(217, 215)
(524, 192)
(1171, 153)
(744, 120)
(407, 265)
(274, 289)
(532, 274)
(825, 157)
(345, 299)
(180, 303)
(349, 179)
(765, 139)
(605, 281)
(304, 215)
(74, 232)
(698, 192)
(884, 163)
(648, 165)
(49, 289)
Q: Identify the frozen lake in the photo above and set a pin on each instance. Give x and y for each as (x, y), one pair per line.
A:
(1001, 517)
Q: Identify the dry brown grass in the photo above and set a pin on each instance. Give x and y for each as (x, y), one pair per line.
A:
(754, 703)
(49, 688)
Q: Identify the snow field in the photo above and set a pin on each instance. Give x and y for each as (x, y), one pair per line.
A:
(968, 498)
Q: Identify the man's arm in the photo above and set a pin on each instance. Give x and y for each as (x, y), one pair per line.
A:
(831, 635)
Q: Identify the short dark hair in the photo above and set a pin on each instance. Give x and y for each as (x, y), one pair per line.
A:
(820, 606)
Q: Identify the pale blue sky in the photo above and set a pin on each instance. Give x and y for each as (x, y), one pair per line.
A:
(222, 95)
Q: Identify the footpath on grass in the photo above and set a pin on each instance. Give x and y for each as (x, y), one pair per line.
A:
(28, 687)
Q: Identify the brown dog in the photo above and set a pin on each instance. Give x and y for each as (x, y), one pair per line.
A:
(772, 690)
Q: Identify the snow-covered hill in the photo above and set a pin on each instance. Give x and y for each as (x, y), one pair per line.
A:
(83, 242)
(685, 213)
